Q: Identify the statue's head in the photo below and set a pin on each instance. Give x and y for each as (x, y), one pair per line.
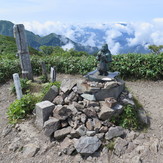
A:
(104, 47)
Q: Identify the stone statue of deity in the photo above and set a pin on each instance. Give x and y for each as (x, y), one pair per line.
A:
(104, 57)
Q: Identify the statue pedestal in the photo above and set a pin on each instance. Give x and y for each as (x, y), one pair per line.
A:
(102, 87)
(94, 76)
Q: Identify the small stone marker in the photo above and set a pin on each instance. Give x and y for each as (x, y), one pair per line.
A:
(53, 74)
(17, 86)
(23, 51)
(43, 111)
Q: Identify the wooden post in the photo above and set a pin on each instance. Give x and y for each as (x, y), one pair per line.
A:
(22, 46)
(44, 72)
(52, 74)
(17, 86)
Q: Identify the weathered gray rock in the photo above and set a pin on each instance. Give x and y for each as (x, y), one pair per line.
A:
(131, 136)
(81, 130)
(61, 112)
(97, 109)
(110, 102)
(110, 84)
(90, 112)
(30, 150)
(70, 97)
(130, 96)
(100, 136)
(120, 146)
(67, 85)
(64, 124)
(51, 126)
(88, 97)
(93, 104)
(87, 145)
(101, 94)
(96, 124)
(51, 94)
(103, 129)
(90, 133)
(74, 133)
(130, 147)
(117, 109)
(78, 106)
(75, 89)
(70, 122)
(67, 145)
(58, 100)
(105, 112)
(128, 101)
(104, 157)
(114, 132)
(83, 118)
(90, 125)
(43, 111)
(143, 116)
(73, 109)
(62, 133)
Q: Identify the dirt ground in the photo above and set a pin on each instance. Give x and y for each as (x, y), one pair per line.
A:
(149, 93)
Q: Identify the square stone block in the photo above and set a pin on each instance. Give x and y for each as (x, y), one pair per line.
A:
(43, 111)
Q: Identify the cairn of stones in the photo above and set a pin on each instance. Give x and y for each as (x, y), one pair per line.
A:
(78, 114)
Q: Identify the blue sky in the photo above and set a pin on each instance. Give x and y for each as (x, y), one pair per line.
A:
(81, 11)
(143, 17)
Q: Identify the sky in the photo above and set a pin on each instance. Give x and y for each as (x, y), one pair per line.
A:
(144, 17)
(81, 11)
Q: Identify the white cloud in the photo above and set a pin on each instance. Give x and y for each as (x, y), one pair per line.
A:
(144, 33)
(68, 46)
(91, 40)
(147, 33)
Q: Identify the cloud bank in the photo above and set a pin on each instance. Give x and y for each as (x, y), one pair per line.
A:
(115, 34)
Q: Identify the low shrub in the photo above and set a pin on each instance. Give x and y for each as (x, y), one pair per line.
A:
(25, 85)
(47, 86)
(20, 108)
(130, 66)
(128, 119)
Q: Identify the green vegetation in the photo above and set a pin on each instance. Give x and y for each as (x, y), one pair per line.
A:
(47, 86)
(139, 66)
(7, 46)
(25, 85)
(20, 108)
(110, 145)
(131, 66)
(128, 118)
(155, 49)
(35, 41)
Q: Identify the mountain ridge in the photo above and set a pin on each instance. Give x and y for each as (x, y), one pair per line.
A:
(52, 39)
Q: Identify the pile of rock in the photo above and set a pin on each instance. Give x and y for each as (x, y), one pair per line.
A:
(74, 116)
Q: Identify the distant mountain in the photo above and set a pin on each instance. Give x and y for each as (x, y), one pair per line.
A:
(117, 37)
(35, 41)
